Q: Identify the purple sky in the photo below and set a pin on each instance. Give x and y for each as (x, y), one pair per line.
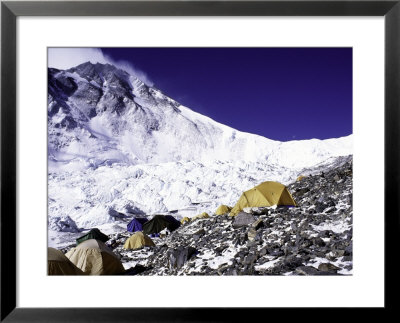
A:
(280, 93)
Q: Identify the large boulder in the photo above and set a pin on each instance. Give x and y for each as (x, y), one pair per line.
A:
(328, 267)
(177, 257)
(243, 219)
(307, 271)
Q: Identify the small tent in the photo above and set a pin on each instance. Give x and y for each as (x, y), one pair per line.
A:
(93, 234)
(203, 215)
(173, 223)
(223, 209)
(184, 220)
(136, 224)
(265, 194)
(159, 223)
(299, 178)
(93, 257)
(59, 264)
(138, 240)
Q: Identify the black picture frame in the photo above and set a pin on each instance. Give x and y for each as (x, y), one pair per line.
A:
(10, 10)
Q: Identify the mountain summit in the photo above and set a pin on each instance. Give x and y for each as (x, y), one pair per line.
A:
(99, 114)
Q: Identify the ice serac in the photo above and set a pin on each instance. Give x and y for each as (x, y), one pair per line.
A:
(99, 114)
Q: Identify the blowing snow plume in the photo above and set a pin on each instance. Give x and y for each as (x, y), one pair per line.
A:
(66, 57)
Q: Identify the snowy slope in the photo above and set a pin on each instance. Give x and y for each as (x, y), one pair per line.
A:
(87, 196)
(117, 144)
(99, 114)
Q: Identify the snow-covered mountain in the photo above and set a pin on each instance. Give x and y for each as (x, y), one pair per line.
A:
(99, 114)
(116, 144)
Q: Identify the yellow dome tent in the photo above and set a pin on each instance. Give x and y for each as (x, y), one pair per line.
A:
(59, 264)
(223, 209)
(265, 194)
(299, 178)
(203, 215)
(93, 257)
(138, 240)
(185, 219)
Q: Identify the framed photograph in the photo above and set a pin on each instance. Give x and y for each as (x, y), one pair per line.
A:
(197, 151)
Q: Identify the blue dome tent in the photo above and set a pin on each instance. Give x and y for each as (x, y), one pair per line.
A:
(136, 224)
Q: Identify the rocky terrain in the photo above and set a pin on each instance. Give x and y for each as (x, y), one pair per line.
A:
(314, 238)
